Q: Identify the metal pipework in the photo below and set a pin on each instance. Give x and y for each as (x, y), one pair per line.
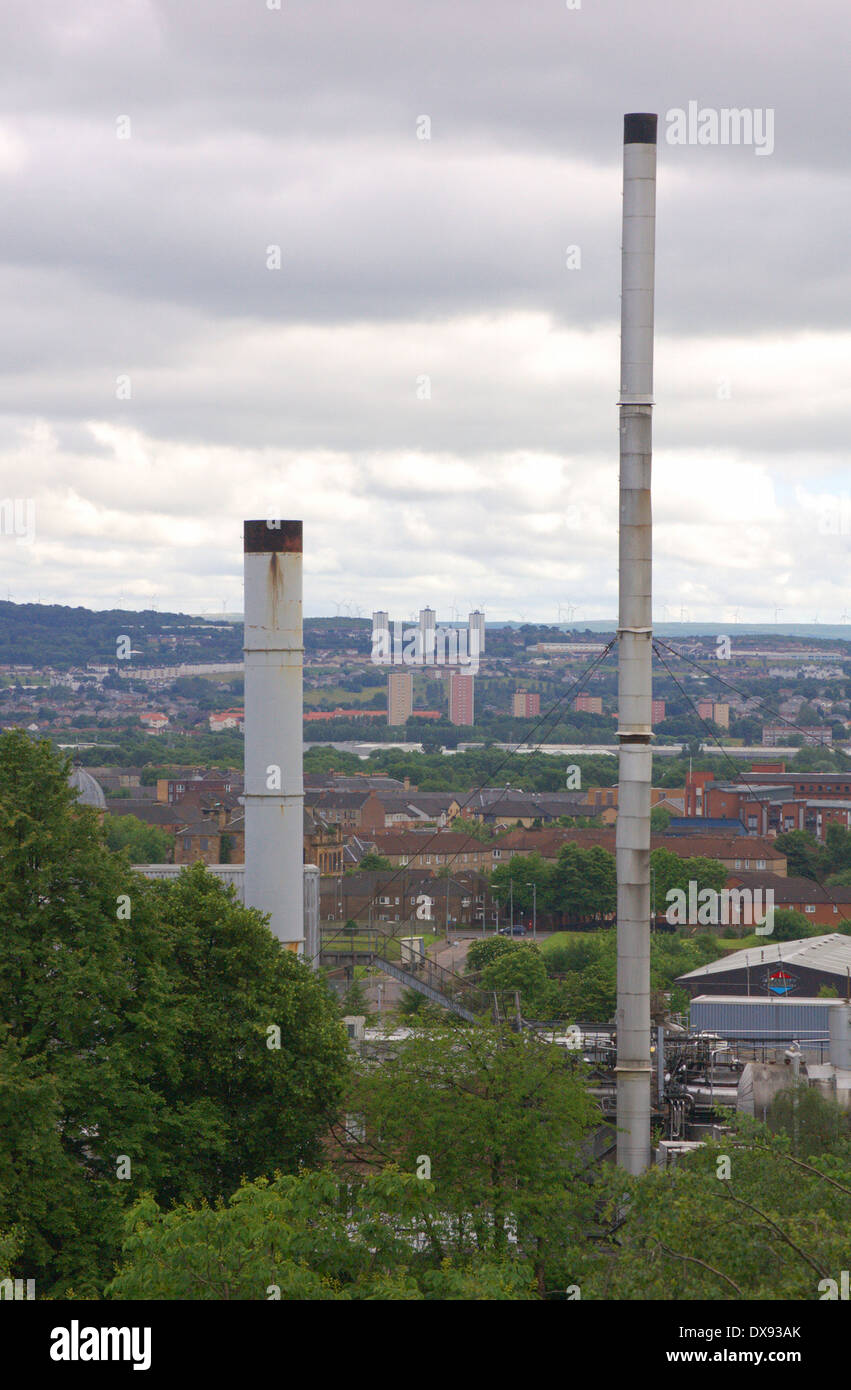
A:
(274, 787)
(632, 840)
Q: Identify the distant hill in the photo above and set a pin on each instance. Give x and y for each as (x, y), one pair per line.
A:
(41, 634)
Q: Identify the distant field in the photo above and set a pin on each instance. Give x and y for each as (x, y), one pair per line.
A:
(346, 699)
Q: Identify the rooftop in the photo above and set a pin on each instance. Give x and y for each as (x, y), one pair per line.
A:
(831, 953)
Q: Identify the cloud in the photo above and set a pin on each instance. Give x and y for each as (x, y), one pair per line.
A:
(425, 379)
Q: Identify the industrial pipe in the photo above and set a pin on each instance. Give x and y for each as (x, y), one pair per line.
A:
(632, 840)
(274, 787)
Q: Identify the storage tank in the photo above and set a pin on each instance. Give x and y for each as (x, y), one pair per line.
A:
(759, 1083)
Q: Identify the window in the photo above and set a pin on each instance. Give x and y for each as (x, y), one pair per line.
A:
(760, 863)
(355, 1128)
(810, 907)
(204, 844)
(497, 853)
(187, 842)
(738, 864)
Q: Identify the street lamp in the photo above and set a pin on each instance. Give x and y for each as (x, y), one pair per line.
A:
(534, 888)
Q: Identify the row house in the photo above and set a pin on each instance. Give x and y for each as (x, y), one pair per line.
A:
(218, 837)
(433, 850)
(408, 895)
(175, 788)
(211, 841)
(734, 852)
(357, 811)
(825, 907)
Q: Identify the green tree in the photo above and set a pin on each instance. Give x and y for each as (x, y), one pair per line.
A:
(354, 1000)
(521, 970)
(837, 849)
(372, 862)
(522, 871)
(308, 1237)
(482, 952)
(476, 829)
(501, 1117)
(138, 1018)
(673, 873)
(583, 883)
(772, 1228)
(790, 925)
(146, 844)
(804, 854)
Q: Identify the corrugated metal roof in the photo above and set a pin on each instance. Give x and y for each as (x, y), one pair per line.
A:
(831, 953)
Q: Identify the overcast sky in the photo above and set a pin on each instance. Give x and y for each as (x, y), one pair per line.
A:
(424, 380)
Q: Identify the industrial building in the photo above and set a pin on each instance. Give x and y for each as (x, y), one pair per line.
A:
(770, 1020)
(777, 970)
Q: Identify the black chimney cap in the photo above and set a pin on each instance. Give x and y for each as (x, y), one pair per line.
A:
(264, 537)
(639, 129)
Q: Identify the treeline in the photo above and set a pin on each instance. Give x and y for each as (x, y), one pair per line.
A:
(581, 885)
(51, 634)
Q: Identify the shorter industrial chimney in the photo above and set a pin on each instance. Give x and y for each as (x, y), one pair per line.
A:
(274, 787)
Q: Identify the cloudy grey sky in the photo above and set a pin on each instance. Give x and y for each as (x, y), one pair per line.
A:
(159, 382)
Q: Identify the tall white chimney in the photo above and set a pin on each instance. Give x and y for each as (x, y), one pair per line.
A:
(274, 788)
(632, 841)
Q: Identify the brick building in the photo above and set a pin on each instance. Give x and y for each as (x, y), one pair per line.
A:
(525, 705)
(400, 696)
(461, 698)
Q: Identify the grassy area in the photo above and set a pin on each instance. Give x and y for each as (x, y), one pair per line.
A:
(743, 943)
(566, 938)
(345, 699)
